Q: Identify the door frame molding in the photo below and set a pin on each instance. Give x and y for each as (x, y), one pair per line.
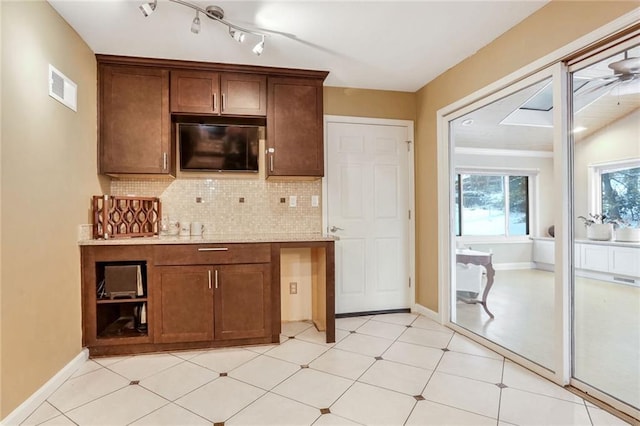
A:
(409, 124)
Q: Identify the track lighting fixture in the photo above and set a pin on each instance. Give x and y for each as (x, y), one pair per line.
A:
(259, 48)
(236, 35)
(148, 8)
(215, 13)
(195, 25)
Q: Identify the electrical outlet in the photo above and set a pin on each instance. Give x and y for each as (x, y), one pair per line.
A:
(315, 200)
(293, 201)
(293, 287)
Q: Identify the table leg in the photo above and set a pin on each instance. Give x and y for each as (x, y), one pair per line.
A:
(490, 275)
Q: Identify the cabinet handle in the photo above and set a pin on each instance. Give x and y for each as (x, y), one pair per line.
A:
(209, 271)
(213, 249)
(224, 102)
(165, 159)
(216, 278)
(215, 103)
(271, 152)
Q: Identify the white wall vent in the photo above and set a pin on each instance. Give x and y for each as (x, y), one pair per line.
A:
(62, 89)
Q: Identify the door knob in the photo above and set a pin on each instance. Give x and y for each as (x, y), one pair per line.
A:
(335, 228)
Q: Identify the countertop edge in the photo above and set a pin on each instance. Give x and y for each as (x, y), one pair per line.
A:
(595, 242)
(209, 239)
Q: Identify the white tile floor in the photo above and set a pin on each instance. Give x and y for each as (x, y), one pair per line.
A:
(607, 354)
(391, 369)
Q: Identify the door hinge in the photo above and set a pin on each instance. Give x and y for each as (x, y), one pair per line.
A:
(409, 282)
(408, 145)
(409, 214)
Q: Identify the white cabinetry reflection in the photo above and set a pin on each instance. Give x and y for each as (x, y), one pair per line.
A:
(611, 262)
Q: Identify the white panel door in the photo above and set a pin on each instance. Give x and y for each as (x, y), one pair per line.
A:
(368, 208)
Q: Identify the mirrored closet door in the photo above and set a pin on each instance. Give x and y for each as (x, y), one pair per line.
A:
(502, 208)
(606, 210)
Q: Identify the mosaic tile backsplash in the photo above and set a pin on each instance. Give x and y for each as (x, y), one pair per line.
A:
(232, 206)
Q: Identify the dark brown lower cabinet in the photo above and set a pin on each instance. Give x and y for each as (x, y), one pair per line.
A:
(242, 301)
(191, 296)
(219, 302)
(184, 309)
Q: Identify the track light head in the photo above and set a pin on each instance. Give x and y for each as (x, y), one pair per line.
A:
(236, 35)
(195, 25)
(259, 48)
(148, 8)
(215, 13)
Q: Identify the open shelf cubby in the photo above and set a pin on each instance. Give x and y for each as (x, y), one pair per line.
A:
(121, 299)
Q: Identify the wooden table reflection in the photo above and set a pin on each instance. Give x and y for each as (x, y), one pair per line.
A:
(466, 256)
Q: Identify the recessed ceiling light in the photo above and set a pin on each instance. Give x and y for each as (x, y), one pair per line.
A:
(467, 122)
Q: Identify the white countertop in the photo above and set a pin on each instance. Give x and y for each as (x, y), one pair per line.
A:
(211, 239)
(597, 242)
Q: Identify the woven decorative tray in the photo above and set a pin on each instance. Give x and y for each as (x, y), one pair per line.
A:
(125, 217)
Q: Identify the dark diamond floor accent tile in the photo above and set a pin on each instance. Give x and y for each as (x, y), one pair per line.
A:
(134, 382)
(419, 397)
(501, 385)
(304, 366)
(445, 350)
(325, 411)
(408, 326)
(223, 374)
(218, 424)
(292, 337)
(352, 332)
(378, 358)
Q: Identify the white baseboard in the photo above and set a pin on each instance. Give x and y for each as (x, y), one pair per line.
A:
(432, 315)
(25, 409)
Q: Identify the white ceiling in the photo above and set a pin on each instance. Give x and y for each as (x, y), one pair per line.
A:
(602, 108)
(388, 45)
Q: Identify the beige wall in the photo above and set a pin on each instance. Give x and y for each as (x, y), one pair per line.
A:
(48, 174)
(553, 26)
(1, 416)
(369, 103)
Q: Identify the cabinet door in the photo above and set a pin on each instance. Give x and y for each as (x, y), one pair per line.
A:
(184, 307)
(195, 92)
(294, 127)
(243, 301)
(595, 257)
(624, 261)
(243, 94)
(135, 123)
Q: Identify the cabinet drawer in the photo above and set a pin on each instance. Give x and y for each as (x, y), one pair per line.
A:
(212, 254)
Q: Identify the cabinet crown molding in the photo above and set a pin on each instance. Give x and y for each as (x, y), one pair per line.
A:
(210, 66)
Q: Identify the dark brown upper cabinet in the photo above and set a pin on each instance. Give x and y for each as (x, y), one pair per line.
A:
(243, 94)
(195, 92)
(139, 97)
(294, 127)
(134, 120)
(204, 92)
